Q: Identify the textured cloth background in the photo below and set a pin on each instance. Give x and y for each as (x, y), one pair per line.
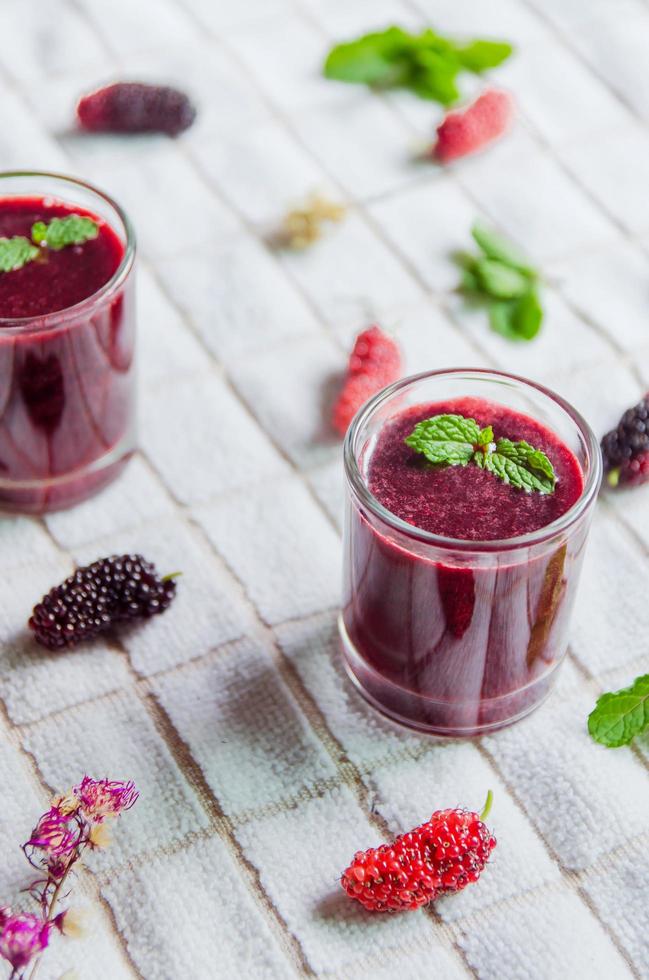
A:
(261, 772)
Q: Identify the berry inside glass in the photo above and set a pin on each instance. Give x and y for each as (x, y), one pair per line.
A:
(67, 333)
(458, 586)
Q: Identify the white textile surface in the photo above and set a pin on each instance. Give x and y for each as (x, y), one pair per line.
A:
(260, 770)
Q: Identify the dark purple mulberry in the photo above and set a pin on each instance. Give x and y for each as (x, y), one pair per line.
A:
(626, 448)
(133, 107)
(111, 590)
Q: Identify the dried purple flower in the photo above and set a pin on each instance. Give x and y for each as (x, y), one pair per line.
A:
(74, 822)
(66, 803)
(101, 798)
(54, 834)
(23, 936)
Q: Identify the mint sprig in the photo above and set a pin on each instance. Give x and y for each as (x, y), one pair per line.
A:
(496, 246)
(453, 440)
(74, 229)
(503, 279)
(16, 252)
(449, 439)
(426, 63)
(520, 464)
(619, 716)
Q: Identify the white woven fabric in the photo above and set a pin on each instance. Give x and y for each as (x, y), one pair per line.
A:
(260, 770)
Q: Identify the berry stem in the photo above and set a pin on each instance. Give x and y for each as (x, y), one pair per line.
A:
(171, 576)
(486, 810)
(613, 477)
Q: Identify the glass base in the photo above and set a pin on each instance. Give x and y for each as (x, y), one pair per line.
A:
(65, 491)
(445, 719)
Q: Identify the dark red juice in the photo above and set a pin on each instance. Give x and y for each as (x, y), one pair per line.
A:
(66, 363)
(459, 640)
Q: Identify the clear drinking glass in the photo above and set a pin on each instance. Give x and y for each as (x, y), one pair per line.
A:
(67, 379)
(406, 590)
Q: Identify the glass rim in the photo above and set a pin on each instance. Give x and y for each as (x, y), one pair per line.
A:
(43, 321)
(540, 535)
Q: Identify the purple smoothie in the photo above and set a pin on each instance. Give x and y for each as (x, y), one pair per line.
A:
(466, 643)
(66, 366)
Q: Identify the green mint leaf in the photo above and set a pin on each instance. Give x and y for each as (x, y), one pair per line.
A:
(74, 229)
(370, 59)
(621, 715)
(504, 278)
(480, 55)
(434, 77)
(496, 246)
(447, 439)
(454, 440)
(521, 465)
(517, 319)
(425, 63)
(500, 280)
(528, 315)
(501, 319)
(486, 437)
(15, 253)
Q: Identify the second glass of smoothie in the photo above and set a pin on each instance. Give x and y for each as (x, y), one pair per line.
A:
(67, 344)
(459, 587)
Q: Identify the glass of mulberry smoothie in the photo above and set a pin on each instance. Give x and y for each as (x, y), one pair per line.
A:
(469, 498)
(67, 334)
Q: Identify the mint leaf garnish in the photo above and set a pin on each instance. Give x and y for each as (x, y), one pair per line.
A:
(74, 229)
(15, 253)
(453, 440)
(517, 319)
(449, 439)
(528, 315)
(505, 281)
(500, 280)
(433, 75)
(496, 246)
(374, 59)
(621, 715)
(478, 56)
(520, 464)
(426, 63)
